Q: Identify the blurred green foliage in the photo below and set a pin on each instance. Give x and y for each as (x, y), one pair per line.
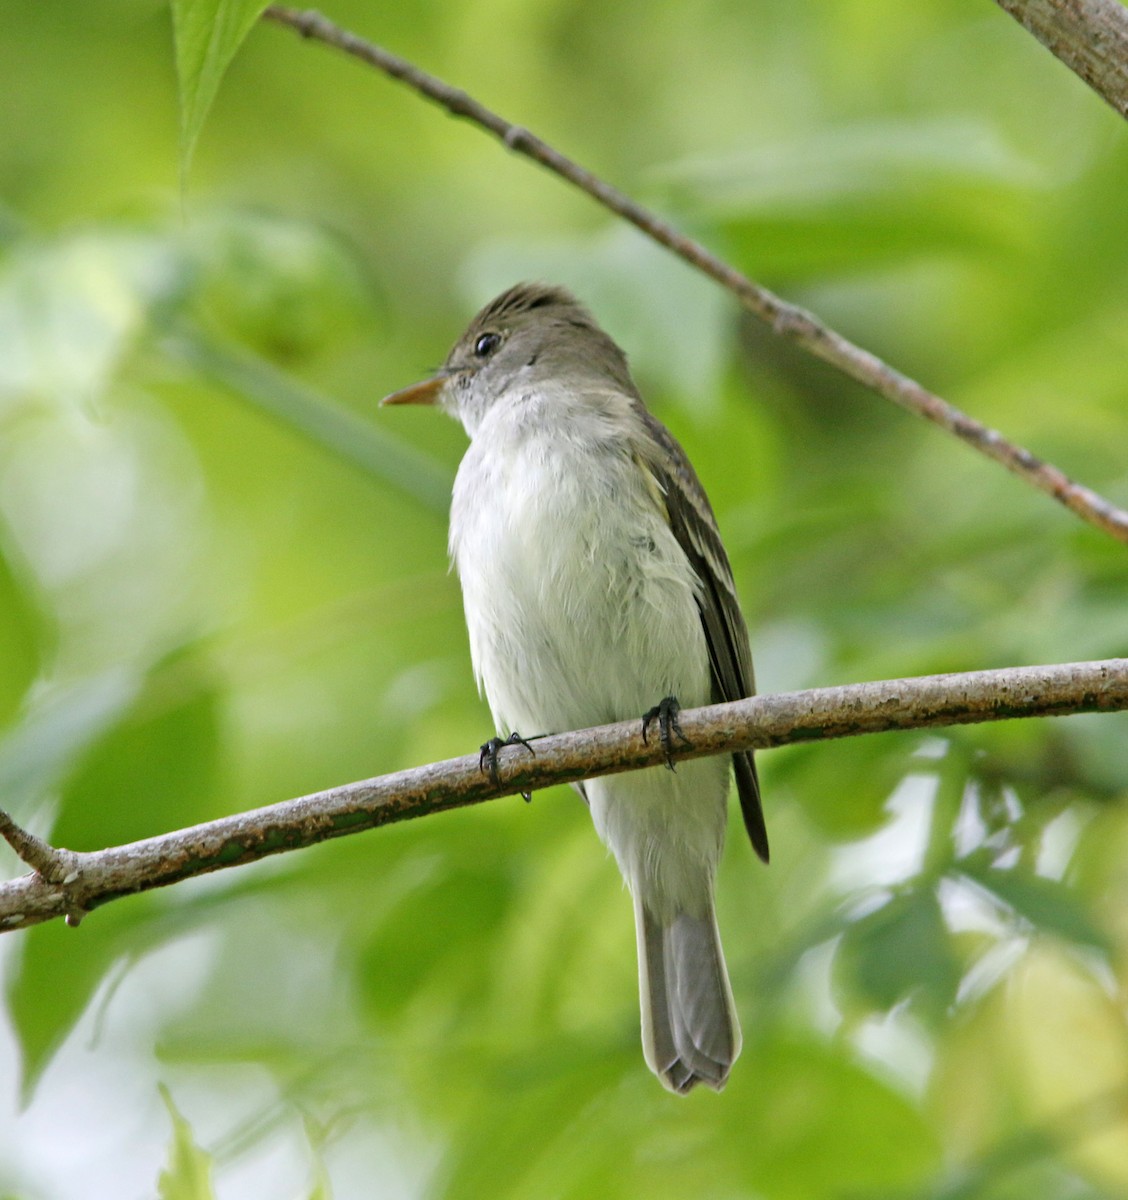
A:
(223, 583)
(187, 1176)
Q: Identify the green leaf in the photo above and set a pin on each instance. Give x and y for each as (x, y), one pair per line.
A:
(825, 1127)
(208, 33)
(901, 950)
(321, 1189)
(1050, 906)
(72, 308)
(136, 760)
(155, 769)
(863, 194)
(21, 641)
(865, 769)
(329, 425)
(57, 728)
(188, 1174)
(58, 972)
(280, 286)
(428, 944)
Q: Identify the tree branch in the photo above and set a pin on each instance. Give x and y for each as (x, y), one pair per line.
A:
(68, 883)
(1089, 36)
(788, 320)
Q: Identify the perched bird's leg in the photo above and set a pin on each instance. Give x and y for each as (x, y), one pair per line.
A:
(487, 760)
(665, 712)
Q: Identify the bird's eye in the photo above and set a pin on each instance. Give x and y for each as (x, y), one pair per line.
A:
(487, 344)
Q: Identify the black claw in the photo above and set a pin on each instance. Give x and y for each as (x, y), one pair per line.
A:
(665, 712)
(487, 760)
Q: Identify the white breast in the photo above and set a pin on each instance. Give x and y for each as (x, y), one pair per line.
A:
(582, 609)
(579, 601)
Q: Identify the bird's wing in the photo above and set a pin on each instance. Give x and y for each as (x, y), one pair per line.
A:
(693, 524)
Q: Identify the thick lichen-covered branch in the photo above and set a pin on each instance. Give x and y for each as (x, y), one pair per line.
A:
(67, 883)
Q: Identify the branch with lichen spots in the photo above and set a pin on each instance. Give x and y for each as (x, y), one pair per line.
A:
(69, 884)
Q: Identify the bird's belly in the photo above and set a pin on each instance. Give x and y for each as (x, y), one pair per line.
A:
(581, 608)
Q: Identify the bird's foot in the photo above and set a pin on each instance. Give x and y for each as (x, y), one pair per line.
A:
(665, 712)
(487, 760)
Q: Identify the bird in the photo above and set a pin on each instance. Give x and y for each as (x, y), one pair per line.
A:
(596, 589)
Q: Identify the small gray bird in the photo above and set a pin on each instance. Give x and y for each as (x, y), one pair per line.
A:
(596, 586)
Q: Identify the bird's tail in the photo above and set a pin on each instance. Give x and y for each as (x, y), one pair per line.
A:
(690, 1032)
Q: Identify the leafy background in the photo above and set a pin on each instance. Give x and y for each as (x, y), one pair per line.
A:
(223, 583)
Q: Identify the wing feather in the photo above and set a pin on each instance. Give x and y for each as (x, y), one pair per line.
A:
(693, 524)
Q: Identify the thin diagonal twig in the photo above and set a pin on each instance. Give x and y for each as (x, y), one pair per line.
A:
(788, 320)
(1089, 36)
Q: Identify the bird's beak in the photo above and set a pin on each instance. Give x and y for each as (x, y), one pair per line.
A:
(426, 392)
